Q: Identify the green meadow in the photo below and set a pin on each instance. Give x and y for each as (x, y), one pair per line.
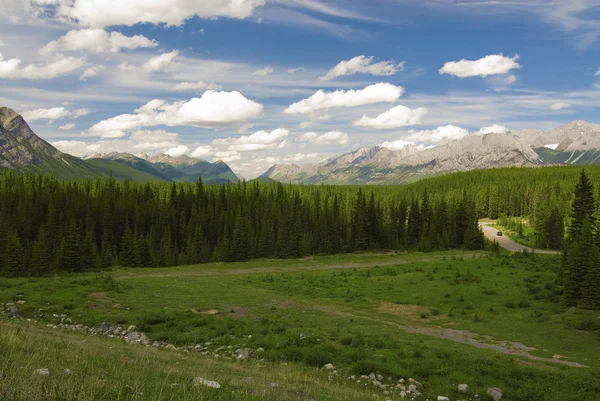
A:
(442, 318)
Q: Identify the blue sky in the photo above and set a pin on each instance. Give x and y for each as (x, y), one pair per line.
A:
(253, 82)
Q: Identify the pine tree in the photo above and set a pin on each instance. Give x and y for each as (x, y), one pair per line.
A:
(42, 256)
(13, 255)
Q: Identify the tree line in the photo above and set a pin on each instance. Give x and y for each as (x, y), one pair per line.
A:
(580, 271)
(48, 225)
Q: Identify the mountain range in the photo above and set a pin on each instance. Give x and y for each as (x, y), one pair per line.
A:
(575, 143)
(22, 150)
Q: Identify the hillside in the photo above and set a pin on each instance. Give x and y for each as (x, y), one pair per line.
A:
(574, 143)
(22, 150)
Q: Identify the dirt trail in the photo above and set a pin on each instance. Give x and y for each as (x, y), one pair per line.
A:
(492, 234)
(458, 336)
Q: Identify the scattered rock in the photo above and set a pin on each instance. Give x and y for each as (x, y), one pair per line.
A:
(329, 366)
(131, 328)
(208, 383)
(243, 353)
(442, 398)
(197, 348)
(68, 371)
(133, 337)
(104, 327)
(20, 294)
(13, 311)
(21, 302)
(495, 393)
(463, 388)
(260, 350)
(42, 372)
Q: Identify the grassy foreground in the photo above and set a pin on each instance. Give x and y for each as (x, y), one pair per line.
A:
(443, 318)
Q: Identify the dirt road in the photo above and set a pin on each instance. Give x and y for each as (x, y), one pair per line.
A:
(507, 243)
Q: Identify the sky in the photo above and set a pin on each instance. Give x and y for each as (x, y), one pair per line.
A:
(262, 82)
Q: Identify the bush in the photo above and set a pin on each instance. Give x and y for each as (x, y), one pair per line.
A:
(524, 304)
(588, 325)
(510, 305)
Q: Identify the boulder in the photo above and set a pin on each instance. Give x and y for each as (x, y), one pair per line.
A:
(463, 388)
(495, 393)
(208, 383)
(13, 311)
(104, 327)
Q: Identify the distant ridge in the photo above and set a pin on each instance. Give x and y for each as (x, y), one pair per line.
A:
(575, 143)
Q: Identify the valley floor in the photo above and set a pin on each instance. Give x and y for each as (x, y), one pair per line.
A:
(444, 318)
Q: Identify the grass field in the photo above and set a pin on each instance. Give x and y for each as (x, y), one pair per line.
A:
(445, 318)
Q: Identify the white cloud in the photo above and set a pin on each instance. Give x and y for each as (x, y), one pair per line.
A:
(213, 109)
(157, 140)
(559, 106)
(186, 86)
(177, 151)
(597, 73)
(91, 72)
(140, 141)
(494, 129)
(97, 41)
(363, 65)
(67, 127)
(511, 79)
(295, 70)
(201, 151)
(264, 71)
(396, 145)
(80, 113)
(328, 138)
(439, 134)
(489, 65)
(163, 62)
(299, 157)
(105, 13)
(399, 116)
(55, 113)
(10, 69)
(381, 92)
(260, 140)
(113, 134)
(228, 156)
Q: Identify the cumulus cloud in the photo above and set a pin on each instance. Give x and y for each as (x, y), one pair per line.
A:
(363, 65)
(11, 69)
(559, 106)
(597, 73)
(494, 129)
(377, 93)
(97, 41)
(328, 138)
(511, 79)
(260, 140)
(91, 72)
(163, 62)
(201, 151)
(396, 145)
(177, 151)
(399, 116)
(213, 109)
(228, 156)
(494, 64)
(157, 140)
(437, 135)
(54, 113)
(264, 71)
(104, 13)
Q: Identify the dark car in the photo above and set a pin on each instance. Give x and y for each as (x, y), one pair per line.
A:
(499, 234)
